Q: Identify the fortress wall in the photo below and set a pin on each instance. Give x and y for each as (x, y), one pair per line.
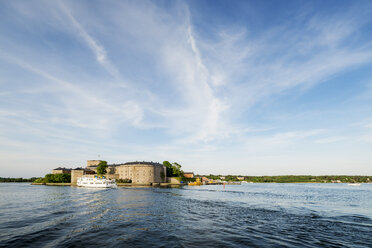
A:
(140, 173)
(112, 176)
(75, 174)
(57, 171)
(159, 172)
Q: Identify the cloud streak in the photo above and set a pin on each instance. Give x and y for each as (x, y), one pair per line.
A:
(98, 50)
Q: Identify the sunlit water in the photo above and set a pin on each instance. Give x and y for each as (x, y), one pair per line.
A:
(255, 215)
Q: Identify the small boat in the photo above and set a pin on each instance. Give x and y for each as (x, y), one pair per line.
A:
(354, 184)
(96, 182)
(196, 183)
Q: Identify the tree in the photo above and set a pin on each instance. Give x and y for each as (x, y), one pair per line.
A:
(49, 178)
(173, 170)
(169, 168)
(101, 169)
(176, 169)
(56, 178)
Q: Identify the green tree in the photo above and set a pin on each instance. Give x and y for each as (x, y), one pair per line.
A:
(169, 168)
(39, 180)
(102, 168)
(56, 178)
(49, 178)
(176, 169)
(173, 170)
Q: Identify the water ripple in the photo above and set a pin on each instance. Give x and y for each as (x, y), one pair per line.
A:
(268, 215)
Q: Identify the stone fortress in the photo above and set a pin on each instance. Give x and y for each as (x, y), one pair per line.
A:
(137, 172)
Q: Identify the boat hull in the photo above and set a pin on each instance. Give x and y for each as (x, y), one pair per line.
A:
(87, 182)
(354, 184)
(97, 185)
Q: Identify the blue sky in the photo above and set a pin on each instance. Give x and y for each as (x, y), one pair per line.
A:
(222, 87)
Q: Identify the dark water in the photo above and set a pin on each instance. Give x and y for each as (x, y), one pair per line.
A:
(251, 215)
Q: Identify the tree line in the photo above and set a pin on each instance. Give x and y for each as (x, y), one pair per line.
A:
(17, 180)
(55, 178)
(294, 178)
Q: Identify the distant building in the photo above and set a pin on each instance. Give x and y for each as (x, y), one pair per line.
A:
(240, 178)
(188, 174)
(137, 172)
(205, 179)
(223, 178)
(61, 170)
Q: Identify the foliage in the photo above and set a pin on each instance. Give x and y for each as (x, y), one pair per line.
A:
(176, 169)
(187, 179)
(173, 170)
(169, 168)
(124, 180)
(102, 168)
(17, 180)
(57, 178)
(40, 180)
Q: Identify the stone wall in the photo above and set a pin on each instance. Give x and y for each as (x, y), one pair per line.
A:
(141, 173)
(75, 174)
(57, 171)
(160, 174)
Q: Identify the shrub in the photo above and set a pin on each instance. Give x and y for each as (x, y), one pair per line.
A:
(57, 178)
(102, 168)
(124, 181)
(39, 180)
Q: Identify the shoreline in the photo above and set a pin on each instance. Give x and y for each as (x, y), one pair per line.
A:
(179, 185)
(118, 184)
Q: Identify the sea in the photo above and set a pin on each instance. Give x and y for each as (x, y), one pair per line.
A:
(248, 215)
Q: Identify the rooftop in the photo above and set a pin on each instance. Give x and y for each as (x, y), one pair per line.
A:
(62, 168)
(134, 163)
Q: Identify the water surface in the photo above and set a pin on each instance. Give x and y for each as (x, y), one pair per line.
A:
(253, 215)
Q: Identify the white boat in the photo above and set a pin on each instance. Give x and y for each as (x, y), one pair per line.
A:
(354, 184)
(96, 182)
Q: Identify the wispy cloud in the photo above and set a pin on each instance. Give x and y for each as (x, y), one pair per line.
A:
(99, 51)
(90, 106)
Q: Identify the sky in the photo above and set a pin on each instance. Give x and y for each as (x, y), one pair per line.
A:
(221, 87)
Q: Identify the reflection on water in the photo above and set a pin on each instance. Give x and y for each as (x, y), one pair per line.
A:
(292, 215)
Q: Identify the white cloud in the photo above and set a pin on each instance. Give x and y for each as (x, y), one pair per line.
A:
(98, 50)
